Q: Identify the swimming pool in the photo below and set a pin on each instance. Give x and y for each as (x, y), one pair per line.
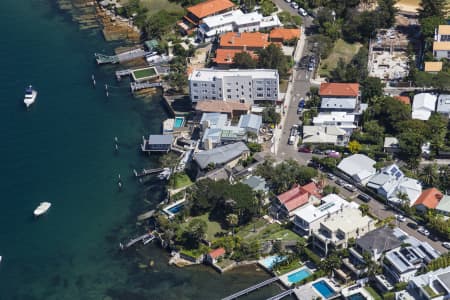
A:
(323, 288)
(270, 261)
(176, 208)
(357, 296)
(179, 122)
(298, 276)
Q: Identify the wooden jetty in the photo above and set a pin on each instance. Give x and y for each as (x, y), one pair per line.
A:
(121, 73)
(147, 237)
(136, 86)
(146, 172)
(282, 295)
(251, 289)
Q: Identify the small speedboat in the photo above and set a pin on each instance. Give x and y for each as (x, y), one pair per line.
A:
(30, 96)
(42, 209)
(1, 258)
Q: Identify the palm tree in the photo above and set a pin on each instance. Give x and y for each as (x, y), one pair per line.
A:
(232, 220)
(321, 180)
(404, 200)
(429, 174)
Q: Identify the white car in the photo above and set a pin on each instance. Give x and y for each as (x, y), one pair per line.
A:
(288, 1)
(446, 245)
(423, 231)
(302, 12)
(400, 218)
(294, 5)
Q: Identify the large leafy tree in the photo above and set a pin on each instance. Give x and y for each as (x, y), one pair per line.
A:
(272, 57)
(429, 174)
(244, 60)
(432, 8)
(437, 124)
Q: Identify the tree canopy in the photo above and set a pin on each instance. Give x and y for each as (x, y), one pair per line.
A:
(272, 57)
(244, 60)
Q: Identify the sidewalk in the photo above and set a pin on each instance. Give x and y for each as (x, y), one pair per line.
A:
(287, 99)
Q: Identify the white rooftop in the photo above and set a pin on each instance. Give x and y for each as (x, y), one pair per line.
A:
(332, 203)
(322, 134)
(423, 105)
(253, 17)
(212, 74)
(443, 104)
(334, 117)
(390, 142)
(223, 19)
(350, 219)
(358, 166)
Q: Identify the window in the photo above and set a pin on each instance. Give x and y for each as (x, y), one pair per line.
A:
(269, 95)
(259, 89)
(259, 95)
(213, 85)
(194, 84)
(237, 83)
(242, 93)
(195, 97)
(213, 92)
(229, 97)
(228, 90)
(214, 98)
(250, 83)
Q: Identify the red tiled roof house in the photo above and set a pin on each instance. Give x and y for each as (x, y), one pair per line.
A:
(244, 41)
(429, 199)
(214, 255)
(285, 204)
(339, 97)
(281, 35)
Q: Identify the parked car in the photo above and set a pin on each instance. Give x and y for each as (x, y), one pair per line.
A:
(302, 12)
(349, 187)
(330, 176)
(317, 151)
(334, 154)
(304, 149)
(400, 218)
(423, 231)
(433, 238)
(291, 140)
(311, 67)
(299, 110)
(364, 197)
(288, 1)
(294, 5)
(412, 225)
(446, 245)
(340, 182)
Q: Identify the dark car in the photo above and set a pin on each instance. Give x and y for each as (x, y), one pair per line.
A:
(340, 182)
(433, 238)
(304, 150)
(412, 225)
(317, 151)
(364, 197)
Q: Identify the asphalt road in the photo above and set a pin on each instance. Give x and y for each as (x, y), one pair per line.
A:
(301, 85)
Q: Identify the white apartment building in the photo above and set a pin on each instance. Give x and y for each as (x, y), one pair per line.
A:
(441, 44)
(247, 86)
(235, 20)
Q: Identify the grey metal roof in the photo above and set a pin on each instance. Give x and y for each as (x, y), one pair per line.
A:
(382, 239)
(220, 155)
(445, 279)
(256, 183)
(250, 121)
(160, 139)
(444, 204)
(443, 104)
(216, 120)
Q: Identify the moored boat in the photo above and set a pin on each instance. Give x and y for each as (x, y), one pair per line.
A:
(30, 96)
(42, 209)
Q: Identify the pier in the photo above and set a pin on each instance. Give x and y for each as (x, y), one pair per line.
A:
(121, 73)
(252, 288)
(146, 172)
(282, 295)
(147, 237)
(135, 86)
(121, 57)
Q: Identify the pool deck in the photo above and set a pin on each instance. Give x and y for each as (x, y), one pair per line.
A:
(168, 212)
(307, 291)
(284, 278)
(261, 263)
(352, 290)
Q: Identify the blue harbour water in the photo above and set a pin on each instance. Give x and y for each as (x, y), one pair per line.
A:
(62, 150)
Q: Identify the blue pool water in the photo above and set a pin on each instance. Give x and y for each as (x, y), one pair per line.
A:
(176, 208)
(178, 122)
(324, 288)
(270, 261)
(298, 276)
(357, 296)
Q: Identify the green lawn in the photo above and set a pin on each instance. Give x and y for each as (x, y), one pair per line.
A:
(213, 227)
(181, 180)
(372, 292)
(155, 6)
(292, 266)
(266, 232)
(342, 50)
(144, 73)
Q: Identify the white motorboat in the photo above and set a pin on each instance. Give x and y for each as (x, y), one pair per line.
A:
(1, 258)
(30, 96)
(42, 208)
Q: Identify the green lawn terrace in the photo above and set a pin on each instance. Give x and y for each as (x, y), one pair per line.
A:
(145, 74)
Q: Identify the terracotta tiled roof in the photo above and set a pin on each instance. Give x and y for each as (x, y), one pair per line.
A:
(221, 106)
(298, 196)
(244, 39)
(403, 99)
(312, 189)
(225, 56)
(217, 253)
(296, 202)
(444, 29)
(209, 7)
(438, 46)
(285, 34)
(339, 89)
(429, 198)
(433, 66)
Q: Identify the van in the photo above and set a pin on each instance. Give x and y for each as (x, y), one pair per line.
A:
(364, 197)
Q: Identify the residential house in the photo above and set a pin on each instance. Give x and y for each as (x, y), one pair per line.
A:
(228, 155)
(341, 119)
(433, 66)
(214, 255)
(250, 41)
(402, 263)
(196, 13)
(443, 104)
(432, 285)
(429, 199)
(339, 97)
(441, 44)
(403, 99)
(248, 86)
(308, 218)
(335, 232)
(231, 108)
(285, 204)
(443, 207)
(410, 188)
(225, 57)
(255, 21)
(250, 123)
(257, 184)
(324, 135)
(423, 105)
(281, 35)
(157, 143)
(391, 145)
(372, 246)
(358, 167)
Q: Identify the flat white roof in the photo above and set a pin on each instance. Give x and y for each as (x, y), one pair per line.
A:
(212, 74)
(223, 19)
(350, 219)
(332, 204)
(252, 17)
(335, 116)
